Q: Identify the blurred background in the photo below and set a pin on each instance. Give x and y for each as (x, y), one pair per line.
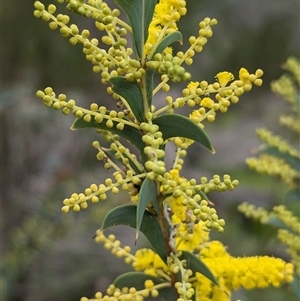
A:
(48, 255)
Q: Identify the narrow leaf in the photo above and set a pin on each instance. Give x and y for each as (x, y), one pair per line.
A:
(203, 195)
(137, 280)
(147, 194)
(131, 92)
(126, 215)
(276, 222)
(149, 86)
(174, 125)
(295, 286)
(174, 36)
(140, 13)
(197, 265)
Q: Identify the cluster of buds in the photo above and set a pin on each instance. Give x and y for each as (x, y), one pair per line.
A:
(117, 60)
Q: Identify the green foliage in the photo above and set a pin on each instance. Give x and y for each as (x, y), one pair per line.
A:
(198, 266)
(140, 14)
(172, 37)
(126, 215)
(179, 126)
(147, 195)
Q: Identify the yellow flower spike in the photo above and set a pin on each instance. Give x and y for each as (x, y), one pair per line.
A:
(271, 165)
(224, 78)
(248, 272)
(166, 14)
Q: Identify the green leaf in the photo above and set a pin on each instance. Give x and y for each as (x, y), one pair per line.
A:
(147, 194)
(137, 280)
(293, 195)
(140, 13)
(174, 125)
(174, 36)
(131, 92)
(295, 286)
(197, 265)
(149, 86)
(203, 195)
(126, 215)
(276, 222)
(129, 133)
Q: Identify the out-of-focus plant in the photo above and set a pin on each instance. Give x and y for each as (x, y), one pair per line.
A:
(278, 157)
(173, 212)
(28, 240)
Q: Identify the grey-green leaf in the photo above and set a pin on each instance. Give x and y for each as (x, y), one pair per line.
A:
(147, 194)
(149, 85)
(131, 92)
(197, 265)
(126, 215)
(140, 13)
(137, 280)
(174, 125)
(295, 286)
(174, 36)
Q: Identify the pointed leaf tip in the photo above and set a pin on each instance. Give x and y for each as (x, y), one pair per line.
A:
(197, 265)
(126, 215)
(147, 194)
(140, 13)
(174, 125)
(131, 92)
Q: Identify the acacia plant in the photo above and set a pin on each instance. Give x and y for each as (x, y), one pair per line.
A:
(279, 158)
(174, 213)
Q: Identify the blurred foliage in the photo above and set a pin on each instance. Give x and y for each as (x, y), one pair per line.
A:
(51, 256)
(280, 158)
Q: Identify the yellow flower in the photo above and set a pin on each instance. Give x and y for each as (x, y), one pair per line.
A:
(149, 262)
(192, 86)
(236, 272)
(224, 78)
(190, 236)
(166, 14)
(207, 102)
(196, 116)
(244, 74)
(143, 259)
(178, 209)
